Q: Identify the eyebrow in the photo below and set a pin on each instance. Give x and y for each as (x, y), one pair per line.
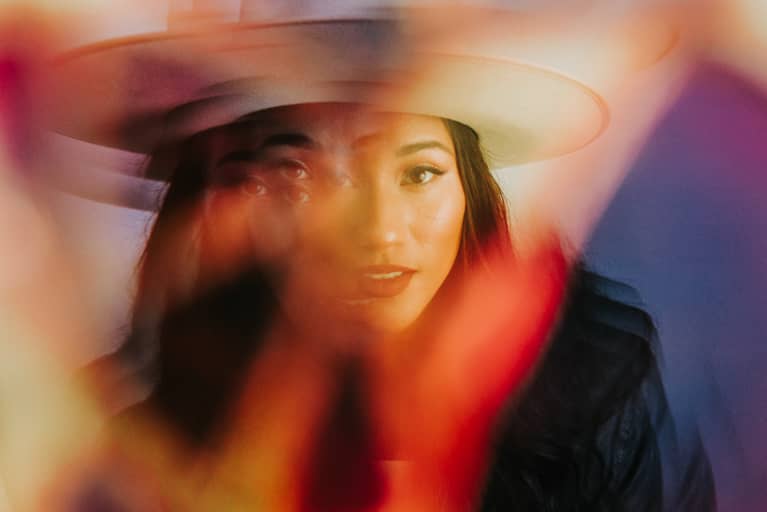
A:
(405, 150)
(301, 140)
(288, 139)
(279, 139)
(409, 149)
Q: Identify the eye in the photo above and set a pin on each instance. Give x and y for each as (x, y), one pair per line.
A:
(421, 175)
(254, 186)
(241, 177)
(293, 170)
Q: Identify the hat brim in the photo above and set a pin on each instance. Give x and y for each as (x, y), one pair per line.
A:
(136, 93)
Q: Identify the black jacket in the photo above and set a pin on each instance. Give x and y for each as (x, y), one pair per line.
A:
(592, 431)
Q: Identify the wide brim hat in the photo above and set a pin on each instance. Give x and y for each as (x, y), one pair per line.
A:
(148, 91)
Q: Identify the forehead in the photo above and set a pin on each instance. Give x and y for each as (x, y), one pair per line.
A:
(336, 123)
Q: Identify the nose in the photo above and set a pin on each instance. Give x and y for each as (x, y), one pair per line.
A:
(379, 218)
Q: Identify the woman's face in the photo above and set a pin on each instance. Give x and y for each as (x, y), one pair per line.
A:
(360, 212)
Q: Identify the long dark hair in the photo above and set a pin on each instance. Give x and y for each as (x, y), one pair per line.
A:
(550, 452)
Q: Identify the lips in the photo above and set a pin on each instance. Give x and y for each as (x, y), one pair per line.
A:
(382, 281)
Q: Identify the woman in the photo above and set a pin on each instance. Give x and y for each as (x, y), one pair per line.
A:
(334, 318)
(410, 201)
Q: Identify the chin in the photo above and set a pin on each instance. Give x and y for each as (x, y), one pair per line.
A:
(382, 320)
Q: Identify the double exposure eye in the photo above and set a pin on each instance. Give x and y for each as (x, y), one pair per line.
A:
(254, 186)
(293, 170)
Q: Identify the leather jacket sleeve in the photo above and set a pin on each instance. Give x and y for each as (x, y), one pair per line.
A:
(593, 432)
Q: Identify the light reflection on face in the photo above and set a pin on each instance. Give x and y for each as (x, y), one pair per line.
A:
(371, 203)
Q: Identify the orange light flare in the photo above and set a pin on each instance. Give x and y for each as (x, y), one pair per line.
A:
(51, 419)
(271, 440)
(436, 407)
(430, 412)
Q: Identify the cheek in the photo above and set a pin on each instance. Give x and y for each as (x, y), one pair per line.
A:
(438, 224)
(436, 228)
